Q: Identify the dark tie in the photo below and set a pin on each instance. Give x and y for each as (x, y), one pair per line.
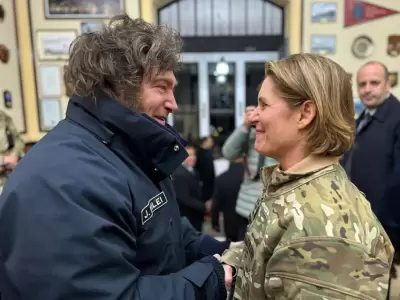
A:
(364, 121)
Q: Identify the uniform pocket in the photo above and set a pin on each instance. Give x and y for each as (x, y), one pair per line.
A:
(284, 288)
(173, 237)
(309, 295)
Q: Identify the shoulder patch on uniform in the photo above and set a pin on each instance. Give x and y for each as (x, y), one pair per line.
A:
(153, 205)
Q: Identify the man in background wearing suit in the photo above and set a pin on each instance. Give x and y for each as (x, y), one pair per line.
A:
(374, 160)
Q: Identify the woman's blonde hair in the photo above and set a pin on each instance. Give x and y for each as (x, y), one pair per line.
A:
(303, 77)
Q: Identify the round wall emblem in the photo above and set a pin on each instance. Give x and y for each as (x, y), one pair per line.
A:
(362, 47)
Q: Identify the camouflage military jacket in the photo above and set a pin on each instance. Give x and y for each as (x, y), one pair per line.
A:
(312, 235)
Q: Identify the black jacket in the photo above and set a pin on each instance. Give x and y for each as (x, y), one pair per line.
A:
(373, 164)
(90, 213)
(227, 186)
(205, 169)
(189, 196)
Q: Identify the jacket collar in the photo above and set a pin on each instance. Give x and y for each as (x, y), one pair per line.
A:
(382, 111)
(157, 149)
(274, 178)
(385, 109)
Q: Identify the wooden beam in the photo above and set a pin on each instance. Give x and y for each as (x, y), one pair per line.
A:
(281, 3)
(161, 3)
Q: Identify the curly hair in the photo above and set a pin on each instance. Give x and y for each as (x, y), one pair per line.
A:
(118, 58)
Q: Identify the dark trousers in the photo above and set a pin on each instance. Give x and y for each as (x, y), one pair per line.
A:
(242, 227)
(197, 223)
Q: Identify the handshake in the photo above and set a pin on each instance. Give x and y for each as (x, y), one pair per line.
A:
(228, 273)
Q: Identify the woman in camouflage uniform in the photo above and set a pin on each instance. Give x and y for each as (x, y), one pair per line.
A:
(11, 147)
(312, 234)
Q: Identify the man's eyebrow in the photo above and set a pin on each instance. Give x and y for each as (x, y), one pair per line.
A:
(168, 81)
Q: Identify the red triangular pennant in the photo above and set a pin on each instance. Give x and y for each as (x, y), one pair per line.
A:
(357, 12)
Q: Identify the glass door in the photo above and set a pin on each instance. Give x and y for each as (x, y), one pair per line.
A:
(221, 83)
(186, 119)
(255, 72)
(207, 101)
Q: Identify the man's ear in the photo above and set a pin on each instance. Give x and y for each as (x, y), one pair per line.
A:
(307, 113)
(388, 84)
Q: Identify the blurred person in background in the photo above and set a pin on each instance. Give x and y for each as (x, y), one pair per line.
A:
(240, 145)
(226, 191)
(90, 212)
(188, 190)
(221, 164)
(205, 167)
(373, 163)
(312, 234)
(11, 147)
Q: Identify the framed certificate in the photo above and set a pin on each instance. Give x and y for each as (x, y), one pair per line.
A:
(50, 113)
(54, 44)
(50, 80)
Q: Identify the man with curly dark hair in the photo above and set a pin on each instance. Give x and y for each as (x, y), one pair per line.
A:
(90, 212)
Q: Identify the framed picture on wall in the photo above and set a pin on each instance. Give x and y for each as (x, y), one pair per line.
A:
(50, 80)
(91, 26)
(83, 9)
(50, 113)
(393, 77)
(323, 44)
(54, 44)
(323, 12)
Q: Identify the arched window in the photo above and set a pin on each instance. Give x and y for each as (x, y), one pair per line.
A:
(208, 18)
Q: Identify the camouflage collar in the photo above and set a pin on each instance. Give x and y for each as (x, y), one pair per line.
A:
(274, 178)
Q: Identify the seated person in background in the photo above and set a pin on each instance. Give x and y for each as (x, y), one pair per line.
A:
(188, 190)
(312, 233)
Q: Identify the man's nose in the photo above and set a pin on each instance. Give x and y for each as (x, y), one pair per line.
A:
(171, 104)
(367, 88)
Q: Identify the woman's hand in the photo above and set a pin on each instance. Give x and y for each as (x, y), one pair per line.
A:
(228, 273)
(228, 276)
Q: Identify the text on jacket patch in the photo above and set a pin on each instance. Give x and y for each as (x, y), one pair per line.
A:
(152, 205)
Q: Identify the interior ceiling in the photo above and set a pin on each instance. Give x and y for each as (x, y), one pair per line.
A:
(161, 3)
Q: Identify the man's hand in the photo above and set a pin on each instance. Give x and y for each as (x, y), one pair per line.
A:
(247, 113)
(10, 161)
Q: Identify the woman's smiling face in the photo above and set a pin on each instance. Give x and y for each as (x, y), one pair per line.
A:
(276, 123)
